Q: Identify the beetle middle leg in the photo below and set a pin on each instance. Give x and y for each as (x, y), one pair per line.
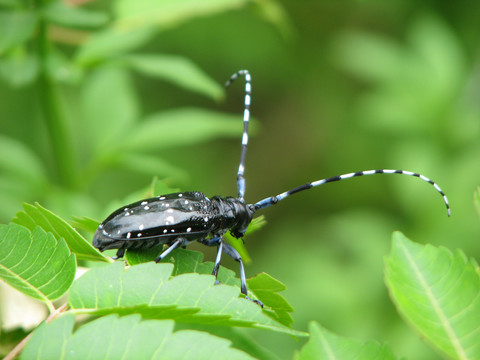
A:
(177, 243)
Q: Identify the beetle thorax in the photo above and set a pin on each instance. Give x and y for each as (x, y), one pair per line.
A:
(236, 215)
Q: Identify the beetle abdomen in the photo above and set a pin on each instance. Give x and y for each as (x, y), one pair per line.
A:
(157, 220)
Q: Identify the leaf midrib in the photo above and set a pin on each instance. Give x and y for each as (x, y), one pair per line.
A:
(460, 351)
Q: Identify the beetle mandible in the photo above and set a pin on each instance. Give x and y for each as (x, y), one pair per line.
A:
(181, 218)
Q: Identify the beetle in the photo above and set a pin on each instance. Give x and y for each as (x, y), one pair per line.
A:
(178, 219)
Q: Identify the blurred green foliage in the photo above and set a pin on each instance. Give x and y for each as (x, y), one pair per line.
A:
(97, 99)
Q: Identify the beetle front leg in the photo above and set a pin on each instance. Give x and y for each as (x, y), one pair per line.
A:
(119, 254)
(236, 256)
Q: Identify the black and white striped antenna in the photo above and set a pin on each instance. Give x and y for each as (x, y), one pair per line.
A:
(272, 200)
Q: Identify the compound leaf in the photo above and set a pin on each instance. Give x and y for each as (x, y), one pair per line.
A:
(128, 337)
(438, 292)
(264, 287)
(149, 289)
(325, 345)
(34, 215)
(35, 263)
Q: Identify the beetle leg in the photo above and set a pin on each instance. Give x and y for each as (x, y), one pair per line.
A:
(172, 247)
(236, 256)
(119, 253)
(218, 258)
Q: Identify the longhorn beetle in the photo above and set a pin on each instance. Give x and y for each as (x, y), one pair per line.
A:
(181, 218)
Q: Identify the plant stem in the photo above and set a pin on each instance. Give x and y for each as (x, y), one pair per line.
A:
(60, 138)
(17, 349)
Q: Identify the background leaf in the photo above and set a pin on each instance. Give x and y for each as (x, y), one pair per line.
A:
(438, 292)
(127, 338)
(15, 28)
(112, 42)
(178, 70)
(149, 290)
(326, 345)
(476, 200)
(37, 215)
(182, 127)
(137, 13)
(35, 263)
(107, 118)
(64, 14)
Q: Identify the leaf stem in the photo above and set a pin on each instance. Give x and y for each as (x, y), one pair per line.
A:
(17, 349)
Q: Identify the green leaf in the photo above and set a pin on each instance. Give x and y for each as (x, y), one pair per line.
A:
(169, 13)
(35, 263)
(63, 14)
(184, 261)
(326, 345)
(149, 165)
(128, 337)
(84, 223)
(177, 70)
(266, 289)
(181, 127)
(476, 200)
(18, 67)
(111, 43)
(256, 224)
(21, 161)
(16, 27)
(148, 289)
(108, 117)
(38, 215)
(438, 292)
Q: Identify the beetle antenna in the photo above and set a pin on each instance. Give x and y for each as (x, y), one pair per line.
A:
(274, 199)
(246, 120)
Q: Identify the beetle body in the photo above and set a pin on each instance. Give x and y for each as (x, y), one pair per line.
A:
(180, 218)
(188, 216)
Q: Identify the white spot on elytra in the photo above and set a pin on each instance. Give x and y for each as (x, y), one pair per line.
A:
(147, 207)
(173, 230)
(189, 229)
(165, 231)
(144, 203)
(139, 234)
(180, 195)
(205, 218)
(126, 209)
(161, 198)
(128, 235)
